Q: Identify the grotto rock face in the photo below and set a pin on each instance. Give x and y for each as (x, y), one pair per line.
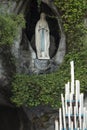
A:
(25, 51)
(57, 46)
(42, 117)
(2, 73)
(27, 61)
(21, 58)
(8, 118)
(12, 118)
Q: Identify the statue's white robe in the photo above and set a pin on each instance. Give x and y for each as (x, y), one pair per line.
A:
(42, 39)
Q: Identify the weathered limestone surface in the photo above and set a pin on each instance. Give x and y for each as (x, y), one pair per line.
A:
(26, 62)
(23, 52)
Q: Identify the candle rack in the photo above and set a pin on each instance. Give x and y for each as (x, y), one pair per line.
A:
(73, 114)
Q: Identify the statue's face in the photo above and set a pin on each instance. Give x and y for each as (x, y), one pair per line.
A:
(42, 16)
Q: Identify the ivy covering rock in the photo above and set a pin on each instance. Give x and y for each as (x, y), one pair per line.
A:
(46, 89)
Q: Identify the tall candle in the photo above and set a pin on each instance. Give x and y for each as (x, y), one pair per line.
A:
(77, 88)
(60, 118)
(71, 100)
(67, 88)
(80, 120)
(77, 94)
(75, 123)
(81, 103)
(72, 76)
(71, 125)
(63, 108)
(84, 118)
(69, 119)
(66, 104)
(56, 124)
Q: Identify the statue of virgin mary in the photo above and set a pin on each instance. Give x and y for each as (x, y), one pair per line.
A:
(42, 38)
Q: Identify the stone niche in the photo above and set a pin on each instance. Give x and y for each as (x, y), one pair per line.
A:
(32, 18)
(28, 59)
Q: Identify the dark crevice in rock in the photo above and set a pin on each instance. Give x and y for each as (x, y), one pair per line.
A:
(9, 119)
(12, 118)
(8, 67)
(32, 17)
(7, 61)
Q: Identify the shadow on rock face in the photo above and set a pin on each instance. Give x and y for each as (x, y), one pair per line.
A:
(12, 118)
(42, 117)
(8, 119)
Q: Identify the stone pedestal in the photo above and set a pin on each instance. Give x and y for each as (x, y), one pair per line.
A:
(41, 64)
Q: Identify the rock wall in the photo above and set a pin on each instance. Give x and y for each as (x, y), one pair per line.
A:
(26, 62)
(27, 59)
(24, 50)
(12, 118)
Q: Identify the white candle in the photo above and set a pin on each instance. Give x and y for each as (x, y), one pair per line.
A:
(82, 96)
(69, 118)
(71, 125)
(56, 124)
(67, 88)
(80, 120)
(77, 87)
(72, 76)
(84, 118)
(77, 94)
(66, 104)
(60, 118)
(71, 100)
(63, 108)
(75, 118)
(81, 103)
